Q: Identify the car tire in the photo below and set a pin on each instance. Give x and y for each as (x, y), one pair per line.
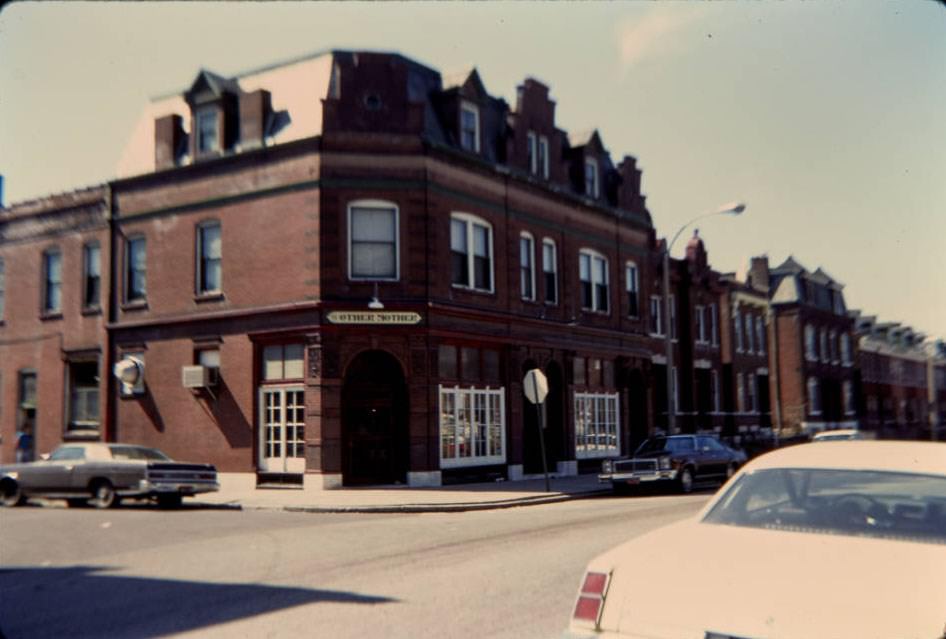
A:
(103, 494)
(10, 494)
(169, 501)
(685, 481)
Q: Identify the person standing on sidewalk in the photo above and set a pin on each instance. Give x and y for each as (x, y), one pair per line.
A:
(25, 443)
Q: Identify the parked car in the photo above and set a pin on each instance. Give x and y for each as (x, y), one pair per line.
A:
(841, 539)
(837, 435)
(676, 460)
(102, 474)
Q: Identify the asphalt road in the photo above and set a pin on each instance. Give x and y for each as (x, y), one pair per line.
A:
(142, 572)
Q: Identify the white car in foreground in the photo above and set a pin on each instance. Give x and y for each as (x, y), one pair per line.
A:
(817, 541)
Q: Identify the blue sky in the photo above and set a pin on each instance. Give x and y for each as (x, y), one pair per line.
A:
(826, 118)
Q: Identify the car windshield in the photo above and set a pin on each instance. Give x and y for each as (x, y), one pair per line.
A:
(904, 506)
(138, 453)
(669, 444)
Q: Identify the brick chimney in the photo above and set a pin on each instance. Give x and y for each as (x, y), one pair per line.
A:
(759, 273)
(168, 134)
(629, 190)
(255, 108)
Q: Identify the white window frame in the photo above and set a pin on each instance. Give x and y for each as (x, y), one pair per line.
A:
(549, 244)
(472, 221)
(375, 204)
(594, 191)
(656, 315)
(632, 285)
(469, 107)
(200, 265)
(199, 115)
(127, 279)
(527, 271)
(737, 328)
(602, 406)
(532, 152)
(760, 335)
(458, 393)
(544, 156)
(814, 396)
(810, 339)
(593, 258)
(49, 284)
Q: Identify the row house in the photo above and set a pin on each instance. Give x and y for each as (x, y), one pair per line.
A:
(336, 271)
(901, 379)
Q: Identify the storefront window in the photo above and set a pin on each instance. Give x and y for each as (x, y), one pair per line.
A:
(472, 426)
(596, 425)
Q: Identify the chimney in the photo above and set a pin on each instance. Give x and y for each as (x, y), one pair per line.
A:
(255, 108)
(759, 273)
(168, 134)
(629, 190)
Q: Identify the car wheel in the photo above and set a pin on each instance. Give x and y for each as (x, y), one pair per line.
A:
(685, 481)
(103, 494)
(169, 501)
(10, 494)
(77, 502)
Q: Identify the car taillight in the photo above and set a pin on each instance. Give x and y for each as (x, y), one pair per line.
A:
(591, 598)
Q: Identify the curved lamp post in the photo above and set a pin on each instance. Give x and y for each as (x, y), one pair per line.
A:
(733, 208)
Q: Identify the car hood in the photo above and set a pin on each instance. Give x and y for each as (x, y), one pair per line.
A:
(693, 578)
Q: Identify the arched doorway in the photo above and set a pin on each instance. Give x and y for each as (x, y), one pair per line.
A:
(374, 421)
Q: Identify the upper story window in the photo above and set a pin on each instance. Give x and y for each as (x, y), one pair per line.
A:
(760, 334)
(471, 252)
(3, 287)
(814, 396)
(135, 269)
(532, 144)
(543, 159)
(833, 341)
(526, 266)
(631, 285)
(591, 178)
(810, 349)
(845, 348)
(209, 258)
(550, 270)
(52, 281)
(699, 316)
(208, 130)
(656, 315)
(470, 127)
(373, 240)
(714, 330)
(737, 327)
(824, 346)
(91, 275)
(593, 273)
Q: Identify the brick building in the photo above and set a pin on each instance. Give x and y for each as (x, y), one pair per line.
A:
(340, 267)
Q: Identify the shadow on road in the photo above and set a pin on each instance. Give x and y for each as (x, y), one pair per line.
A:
(85, 601)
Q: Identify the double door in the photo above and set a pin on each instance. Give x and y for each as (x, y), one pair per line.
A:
(282, 429)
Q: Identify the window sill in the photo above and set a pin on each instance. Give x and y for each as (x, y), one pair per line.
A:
(202, 298)
(137, 305)
(468, 289)
(50, 316)
(92, 310)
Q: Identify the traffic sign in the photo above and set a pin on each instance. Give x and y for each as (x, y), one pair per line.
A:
(535, 385)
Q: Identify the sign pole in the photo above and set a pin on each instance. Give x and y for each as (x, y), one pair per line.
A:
(540, 406)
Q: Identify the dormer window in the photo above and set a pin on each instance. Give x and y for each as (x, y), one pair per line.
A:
(543, 159)
(532, 151)
(470, 127)
(208, 134)
(591, 178)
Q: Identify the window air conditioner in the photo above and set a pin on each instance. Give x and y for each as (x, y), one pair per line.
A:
(198, 376)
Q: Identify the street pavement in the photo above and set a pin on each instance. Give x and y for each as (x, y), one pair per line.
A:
(238, 490)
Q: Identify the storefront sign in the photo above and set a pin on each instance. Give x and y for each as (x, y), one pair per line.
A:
(374, 317)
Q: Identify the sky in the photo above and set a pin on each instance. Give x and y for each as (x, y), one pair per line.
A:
(825, 118)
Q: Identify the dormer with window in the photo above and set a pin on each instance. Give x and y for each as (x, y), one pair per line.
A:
(473, 120)
(213, 101)
(591, 169)
(534, 147)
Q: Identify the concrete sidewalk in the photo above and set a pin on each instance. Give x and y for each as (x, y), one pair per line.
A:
(238, 490)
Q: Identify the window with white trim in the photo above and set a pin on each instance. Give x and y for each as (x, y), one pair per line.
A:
(845, 349)
(592, 187)
(471, 252)
(283, 361)
(550, 270)
(532, 151)
(760, 334)
(814, 396)
(847, 391)
(208, 130)
(209, 258)
(656, 315)
(135, 269)
(597, 428)
(52, 281)
(593, 273)
(373, 231)
(526, 266)
(810, 353)
(631, 285)
(544, 156)
(737, 327)
(472, 426)
(470, 127)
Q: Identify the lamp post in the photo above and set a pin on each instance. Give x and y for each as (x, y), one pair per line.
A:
(734, 208)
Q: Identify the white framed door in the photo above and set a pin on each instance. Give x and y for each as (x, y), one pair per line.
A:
(282, 429)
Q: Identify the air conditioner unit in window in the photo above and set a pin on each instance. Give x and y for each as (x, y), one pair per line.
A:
(198, 376)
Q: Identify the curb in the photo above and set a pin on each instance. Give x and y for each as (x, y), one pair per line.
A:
(435, 508)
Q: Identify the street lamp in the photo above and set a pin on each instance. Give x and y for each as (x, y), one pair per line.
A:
(733, 208)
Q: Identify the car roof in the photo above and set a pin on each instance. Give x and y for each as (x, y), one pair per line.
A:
(894, 456)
